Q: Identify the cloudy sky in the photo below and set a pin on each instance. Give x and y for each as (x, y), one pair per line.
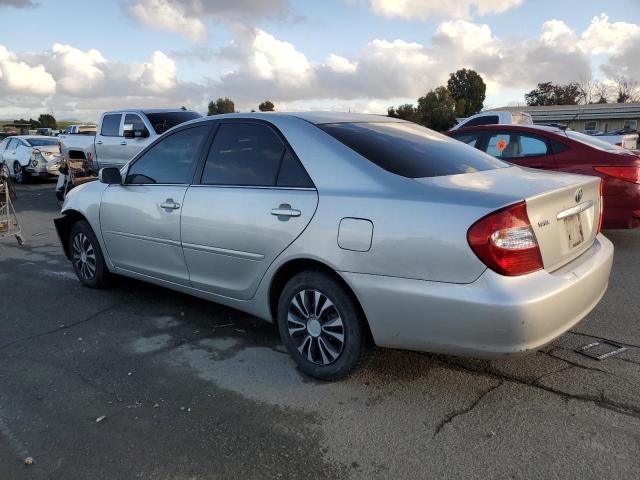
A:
(77, 58)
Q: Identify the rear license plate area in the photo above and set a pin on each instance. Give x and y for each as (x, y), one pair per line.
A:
(573, 227)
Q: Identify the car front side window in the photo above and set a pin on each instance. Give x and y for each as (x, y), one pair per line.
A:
(171, 160)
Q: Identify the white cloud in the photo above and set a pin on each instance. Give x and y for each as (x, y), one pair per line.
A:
(81, 83)
(340, 64)
(17, 77)
(18, 3)
(76, 71)
(259, 66)
(185, 17)
(157, 75)
(170, 16)
(603, 36)
(423, 9)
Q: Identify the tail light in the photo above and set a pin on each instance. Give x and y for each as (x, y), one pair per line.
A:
(601, 206)
(627, 174)
(505, 242)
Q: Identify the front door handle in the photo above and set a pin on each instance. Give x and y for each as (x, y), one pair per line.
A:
(285, 211)
(169, 204)
(98, 142)
(123, 143)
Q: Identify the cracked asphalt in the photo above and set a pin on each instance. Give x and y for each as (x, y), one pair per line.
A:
(193, 390)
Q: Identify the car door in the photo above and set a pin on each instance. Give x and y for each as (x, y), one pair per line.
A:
(109, 141)
(521, 148)
(134, 145)
(10, 155)
(253, 200)
(140, 219)
(3, 146)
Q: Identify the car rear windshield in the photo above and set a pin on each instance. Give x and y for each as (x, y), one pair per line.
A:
(42, 142)
(163, 121)
(591, 141)
(410, 150)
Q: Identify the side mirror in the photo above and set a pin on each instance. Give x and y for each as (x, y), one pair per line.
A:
(110, 176)
(129, 132)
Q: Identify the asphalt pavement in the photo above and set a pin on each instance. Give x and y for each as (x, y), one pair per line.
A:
(140, 382)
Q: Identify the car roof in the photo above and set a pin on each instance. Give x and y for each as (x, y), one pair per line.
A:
(510, 126)
(29, 137)
(316, 118)
(148, 110)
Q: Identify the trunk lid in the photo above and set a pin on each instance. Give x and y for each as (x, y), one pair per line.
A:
(564, 227)
(565, 220)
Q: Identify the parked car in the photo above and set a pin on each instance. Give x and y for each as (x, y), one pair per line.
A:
(119, 136)
(82, 129)
(569, 151)
(344, 228)
(47, 132)
(624, 139)
(30, 156)
(494, 117)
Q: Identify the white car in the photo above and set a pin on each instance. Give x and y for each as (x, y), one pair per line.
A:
(492, 117)
(30, 156)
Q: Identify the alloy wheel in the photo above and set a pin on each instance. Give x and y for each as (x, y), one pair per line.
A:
(84, 256)
(316, 326)
(18, 174)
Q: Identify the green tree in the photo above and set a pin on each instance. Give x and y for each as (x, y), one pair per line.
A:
(436, 110)
(47, 121)
(221, 105)
(266, 106)
(468, 91)
(406, 112)
(547, 93)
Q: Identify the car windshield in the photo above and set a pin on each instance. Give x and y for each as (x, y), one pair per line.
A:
(163, 121)
(411, 150)
(591, 141)
(42, 142)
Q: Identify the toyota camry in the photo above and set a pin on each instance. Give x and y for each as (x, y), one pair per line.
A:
(349, 231)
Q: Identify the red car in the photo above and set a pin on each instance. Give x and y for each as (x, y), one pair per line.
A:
(553, 148)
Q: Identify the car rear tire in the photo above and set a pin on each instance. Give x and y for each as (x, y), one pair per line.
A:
(322, 326)
(86, 256)
(20, 175)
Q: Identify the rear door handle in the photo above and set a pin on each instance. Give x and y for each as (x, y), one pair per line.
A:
(98, 142)
(169, 204)
(123, 143)
(285, 210)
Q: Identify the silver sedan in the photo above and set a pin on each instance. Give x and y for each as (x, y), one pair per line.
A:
(349, 231)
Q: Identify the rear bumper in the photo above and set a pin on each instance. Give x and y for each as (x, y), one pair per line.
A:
(491, 317)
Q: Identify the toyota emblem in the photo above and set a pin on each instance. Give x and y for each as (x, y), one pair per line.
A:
(578, 195)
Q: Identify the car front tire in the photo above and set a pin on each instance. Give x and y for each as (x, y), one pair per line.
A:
(86, 256)
(20, 174)
(322, 327)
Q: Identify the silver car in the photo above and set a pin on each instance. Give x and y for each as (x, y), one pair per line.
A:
(348, 231)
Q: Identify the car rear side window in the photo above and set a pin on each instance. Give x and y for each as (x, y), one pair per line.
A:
(111, 125)
(163, 121)
(515, 145)
(244, 154)
(410, 150)
(171, 160)
(135, 121)
(292, 173)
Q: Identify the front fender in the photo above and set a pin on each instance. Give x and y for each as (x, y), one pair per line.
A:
(82, 202)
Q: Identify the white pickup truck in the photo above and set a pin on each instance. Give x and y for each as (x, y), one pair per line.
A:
(621, 139)
(120, 135)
